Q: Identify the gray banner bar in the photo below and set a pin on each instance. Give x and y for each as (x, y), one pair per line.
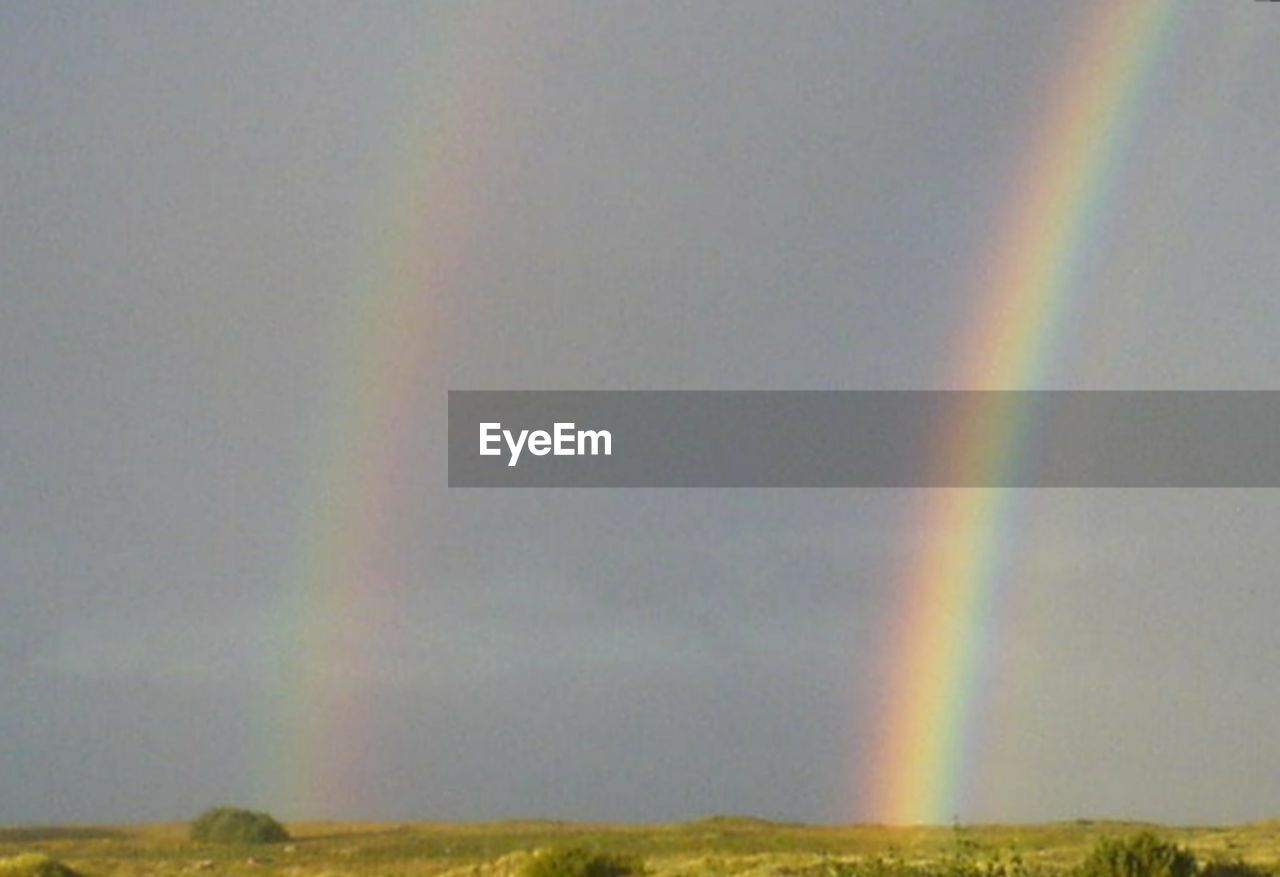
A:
(864, 439)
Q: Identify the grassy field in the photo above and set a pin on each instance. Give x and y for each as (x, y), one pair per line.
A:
(716, 847)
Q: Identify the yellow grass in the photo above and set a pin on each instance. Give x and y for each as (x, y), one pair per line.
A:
(719, 847)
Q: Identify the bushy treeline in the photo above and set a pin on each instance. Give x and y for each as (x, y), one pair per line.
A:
(1141, 855)
(1146, 855)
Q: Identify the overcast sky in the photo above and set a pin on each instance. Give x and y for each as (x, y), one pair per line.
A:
(702, 195)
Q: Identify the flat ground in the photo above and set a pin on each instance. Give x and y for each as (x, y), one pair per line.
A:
(716, 847)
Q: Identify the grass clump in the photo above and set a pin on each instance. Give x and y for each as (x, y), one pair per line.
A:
(34, 865)
(1142, 855)
(580, 862)
(236, 825)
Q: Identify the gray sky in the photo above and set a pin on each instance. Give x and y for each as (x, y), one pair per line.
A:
(676, 196)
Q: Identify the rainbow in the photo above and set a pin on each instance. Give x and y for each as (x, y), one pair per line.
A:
(322, 760)
(1025, 284)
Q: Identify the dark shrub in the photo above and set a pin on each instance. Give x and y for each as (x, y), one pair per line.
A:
(1232, 868)
(1143, 855)
(578, 862)
(236, 825)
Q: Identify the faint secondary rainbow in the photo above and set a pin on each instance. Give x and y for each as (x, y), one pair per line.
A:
(1026, 282)
(340, 598)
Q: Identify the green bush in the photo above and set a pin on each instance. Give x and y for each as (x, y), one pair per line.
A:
(579, 862)
(34, 865)
(236, 825)
(1142, 855)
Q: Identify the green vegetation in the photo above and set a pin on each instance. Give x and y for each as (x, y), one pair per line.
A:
(1142, 855)
(580, 862)
(238, 826)
(34, 865)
